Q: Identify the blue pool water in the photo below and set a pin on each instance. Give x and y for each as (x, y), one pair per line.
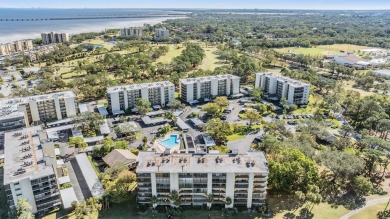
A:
(170, 142)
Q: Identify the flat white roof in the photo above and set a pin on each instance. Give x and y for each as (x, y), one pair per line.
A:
(288, 80)
(182, 124)
(83, 108)
(25, 155)
(102, 110)
(68, 196)
(90, 176)
(207, 78)
(104, 128)
(139, 86)
(63, 180)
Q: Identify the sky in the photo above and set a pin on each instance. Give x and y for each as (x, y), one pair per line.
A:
(226, 4)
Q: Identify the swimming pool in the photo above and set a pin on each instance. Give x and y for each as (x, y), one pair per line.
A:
(171, 142)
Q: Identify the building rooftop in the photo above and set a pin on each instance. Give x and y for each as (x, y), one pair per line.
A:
(290, 81)
(351, 58)
(9, 108)
(24, 157)
(207, 78)
(251, 162)
(139, 86)
(119, 156)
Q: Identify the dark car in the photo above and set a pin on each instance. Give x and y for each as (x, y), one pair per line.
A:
(223, 117)
(292, 122)
(258, 139)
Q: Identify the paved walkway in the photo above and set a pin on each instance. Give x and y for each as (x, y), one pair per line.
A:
(368, 204)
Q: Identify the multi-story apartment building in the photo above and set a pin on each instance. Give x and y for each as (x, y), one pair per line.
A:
(162, 33)
(277, 86)
(193, 89)
(16, 46)
(29, 171)
(41, 108)
(131, 31)
(53, 37)
(195, 177)
(121, 98)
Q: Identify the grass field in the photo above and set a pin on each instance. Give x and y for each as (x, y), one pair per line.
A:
(174, 51)
(370, 212)
(323, 50)
(210, 62)
(235, 137)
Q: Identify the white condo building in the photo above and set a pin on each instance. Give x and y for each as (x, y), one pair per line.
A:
(30, 170)
(193, 89)
(162, 33)
(195, 177)
(35, 109)
(53, 37)
(16, 46)
(120, 98)
(277, 86)
(131, 31)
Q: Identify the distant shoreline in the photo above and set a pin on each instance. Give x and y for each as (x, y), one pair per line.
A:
(75, 28)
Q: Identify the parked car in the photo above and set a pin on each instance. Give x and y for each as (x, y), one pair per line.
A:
(292, 122)
(258, 139)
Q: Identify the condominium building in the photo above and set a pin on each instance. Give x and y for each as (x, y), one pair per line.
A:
(16, 46)
(194, 89)
(242, 178)
(131, 31)
(162, 33)
(30, 171)
(53, 37)
(121, 98)
(277, 87)
(25, 111)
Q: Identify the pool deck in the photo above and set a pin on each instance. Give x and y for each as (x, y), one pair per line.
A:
(161, 148)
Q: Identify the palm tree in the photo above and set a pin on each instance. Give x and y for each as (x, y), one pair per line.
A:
(209, 200)
(228, 202)
(154, 201)
(174, 198)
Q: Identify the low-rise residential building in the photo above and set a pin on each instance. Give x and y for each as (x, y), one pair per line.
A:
(53, 37)
(16, 46)
(121, 98)
(194, 89)
(34, 109)
(195, 177)
(29, 172)
(162, 33)
(277, 87)
(131, 31)
(352, 61)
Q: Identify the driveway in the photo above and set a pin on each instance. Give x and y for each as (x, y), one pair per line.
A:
(243, 145)
(368, 204)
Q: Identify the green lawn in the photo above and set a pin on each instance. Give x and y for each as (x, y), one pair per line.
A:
(321, 211)
(174, 51)
(235, 137)
(210, 62)
(322, 50)
(370, 212)
(314, 102)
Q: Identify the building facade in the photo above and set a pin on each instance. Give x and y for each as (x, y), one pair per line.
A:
(242, 178)
(194, 89)
(121, 98)
(21, 112)
(29, 173)
(131, 31)
(277, 86)
(162, 33)
(53, 37)
(16, 46)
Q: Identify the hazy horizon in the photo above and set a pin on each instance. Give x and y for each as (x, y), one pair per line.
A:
(203, 4)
